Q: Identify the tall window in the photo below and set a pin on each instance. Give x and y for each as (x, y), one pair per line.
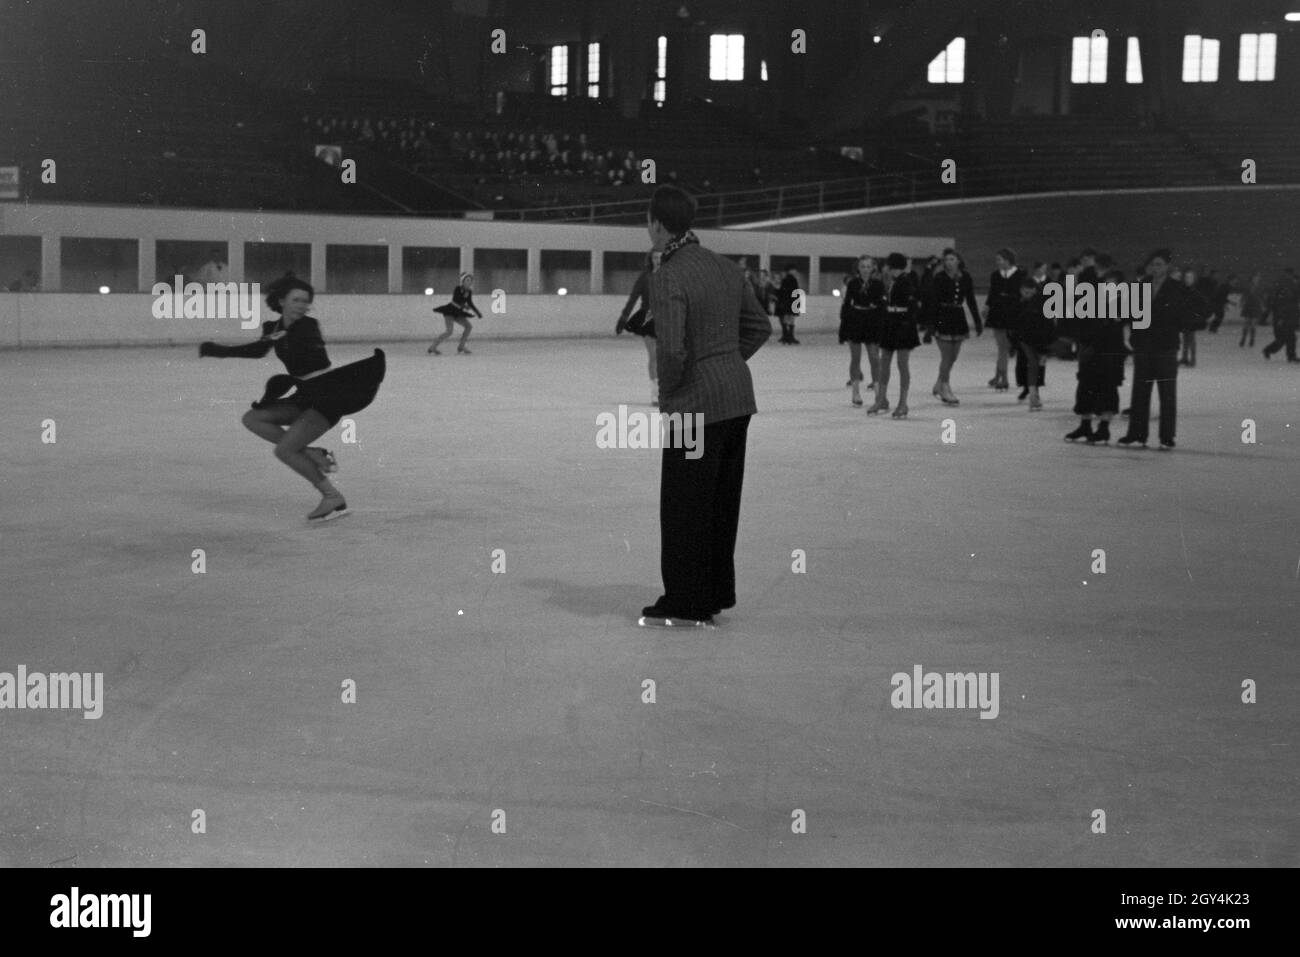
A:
(1257, 57)
(950, 65)
(1133, 68)
(1088, 63)
(559, 71)
(1200, 59)
(727, 56)
(661, 70)
(762, 70)
(593, 70)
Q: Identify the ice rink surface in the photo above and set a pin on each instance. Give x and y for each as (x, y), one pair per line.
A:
(523, 692)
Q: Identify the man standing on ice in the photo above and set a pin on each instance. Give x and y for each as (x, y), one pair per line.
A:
(707, 323)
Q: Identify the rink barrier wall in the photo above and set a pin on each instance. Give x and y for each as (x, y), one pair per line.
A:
(38, 320)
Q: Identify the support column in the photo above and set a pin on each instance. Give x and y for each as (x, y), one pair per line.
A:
(146, 258)
(534, 271)
(318, 266)
(394, 267)
(235, 260)
(51, 263)
(597, 272)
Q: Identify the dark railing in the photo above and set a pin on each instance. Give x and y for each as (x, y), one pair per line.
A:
(830, 196)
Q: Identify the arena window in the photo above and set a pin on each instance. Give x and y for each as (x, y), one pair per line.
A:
(559, 70)
(1133, 68)
(727, 56)
(1088, 63)
(1200, 59)
(661, 69)
(1257, 57)
(950, 65)
(593, 70)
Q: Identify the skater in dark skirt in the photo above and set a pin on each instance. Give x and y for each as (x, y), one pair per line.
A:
(321, 395)
(458, 310)
(952, 293)
(638, 321)
(1032, 334)
(898, 334)
(1001, 307)
(1101, 372)
(862, 318)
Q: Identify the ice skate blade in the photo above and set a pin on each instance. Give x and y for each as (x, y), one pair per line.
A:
(647, 622)
(341, 512)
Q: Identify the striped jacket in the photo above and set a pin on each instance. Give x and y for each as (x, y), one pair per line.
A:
(707, 324)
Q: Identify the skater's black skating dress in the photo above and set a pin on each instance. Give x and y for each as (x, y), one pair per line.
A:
(461, 305)
(333, 393)
(862, 317)
(902, 306)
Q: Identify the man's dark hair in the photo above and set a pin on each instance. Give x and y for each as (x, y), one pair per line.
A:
(1161, 253)
(672, 208)
(896, 261)
(1088, 251)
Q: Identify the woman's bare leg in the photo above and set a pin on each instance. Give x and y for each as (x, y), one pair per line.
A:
(290, 449)
(904, 376)
(445, 336)
(873, 359)
(464, 335)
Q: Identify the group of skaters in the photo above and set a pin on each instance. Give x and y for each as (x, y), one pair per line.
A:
(892, 305)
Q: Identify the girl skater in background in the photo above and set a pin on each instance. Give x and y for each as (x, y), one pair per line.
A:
(1031, 334)
(953, 293)
(785, 305)
(639, 322)
(897, 335)
(1101, 371)
(1000, 310)
(322, 395)
(1252, 307)
(861, 320)
(459, 310)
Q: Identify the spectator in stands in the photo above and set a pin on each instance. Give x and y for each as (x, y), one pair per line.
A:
(1252, 308)
(1284, 307)
(214, 270)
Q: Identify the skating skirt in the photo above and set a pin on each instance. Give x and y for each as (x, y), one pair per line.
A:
(453, 311)
(333, 394)
(861, 325)
(950, 323)
(638, 324)
(1000, 317)
(898, 331)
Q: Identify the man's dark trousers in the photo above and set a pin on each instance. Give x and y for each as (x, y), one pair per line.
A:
(1159, 369)
(1283, 336)
(699, 512)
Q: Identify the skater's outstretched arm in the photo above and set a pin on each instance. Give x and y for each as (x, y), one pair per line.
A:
(469, 304)
(755, 325)
(251, 350)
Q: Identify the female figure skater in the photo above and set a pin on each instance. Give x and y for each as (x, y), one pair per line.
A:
(1101, 371)
(1000, 310)
(862, 317)
(953, 293)
(897, 334)
(1252, 308)
(459, 310)
(639, 322)
(1201, 310)
(322, 395)
(1031, 334)
(785, 304)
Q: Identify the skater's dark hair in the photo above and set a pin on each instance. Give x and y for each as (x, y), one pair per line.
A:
(673, 208)
(1161, 253)
(1088, 251)
(282, 287)
(1007, 254)
(961, 263)
(896, 261)
(1027, 282)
